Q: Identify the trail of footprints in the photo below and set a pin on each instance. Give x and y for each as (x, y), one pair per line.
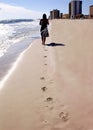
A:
(64, 116)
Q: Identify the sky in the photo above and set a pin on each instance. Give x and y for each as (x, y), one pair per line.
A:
(33, 9)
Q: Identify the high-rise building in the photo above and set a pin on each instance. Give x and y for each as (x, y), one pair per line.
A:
(91, 11)
(75, 8)
(69, 9)
(55, 14)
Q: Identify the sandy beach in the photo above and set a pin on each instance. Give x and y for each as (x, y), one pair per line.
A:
(51, 87)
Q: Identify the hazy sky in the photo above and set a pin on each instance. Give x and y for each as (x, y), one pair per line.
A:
(35, 8)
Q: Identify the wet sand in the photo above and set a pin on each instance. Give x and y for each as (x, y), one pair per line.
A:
(11, 55)
(51, 87)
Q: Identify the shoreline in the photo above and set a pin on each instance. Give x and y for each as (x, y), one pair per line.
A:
(12, 69)
(14, 65)
(52, 86)
(8, 60)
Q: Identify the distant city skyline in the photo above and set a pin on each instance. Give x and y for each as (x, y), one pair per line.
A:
(35, 8)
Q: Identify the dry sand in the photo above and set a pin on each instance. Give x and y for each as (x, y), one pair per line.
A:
(51, 87)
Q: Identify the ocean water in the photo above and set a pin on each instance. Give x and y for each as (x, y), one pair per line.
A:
(15, 37)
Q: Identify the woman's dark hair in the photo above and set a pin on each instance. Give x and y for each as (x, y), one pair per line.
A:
(44, 16)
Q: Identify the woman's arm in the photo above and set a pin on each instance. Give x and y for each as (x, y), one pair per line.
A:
(40, 23)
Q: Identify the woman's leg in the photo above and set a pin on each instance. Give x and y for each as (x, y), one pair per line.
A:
(43, 40)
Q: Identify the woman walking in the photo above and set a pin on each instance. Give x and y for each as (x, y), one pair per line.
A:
(44, 30)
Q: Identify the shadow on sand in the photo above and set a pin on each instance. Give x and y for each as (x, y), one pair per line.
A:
(55, 44)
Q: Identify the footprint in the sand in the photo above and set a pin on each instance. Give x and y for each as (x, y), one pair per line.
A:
(45, 121)
(49, 99)
(42, 78)
(49, 107)
(44, 89)
(45, 56)
(64, 116)
(46, 50)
